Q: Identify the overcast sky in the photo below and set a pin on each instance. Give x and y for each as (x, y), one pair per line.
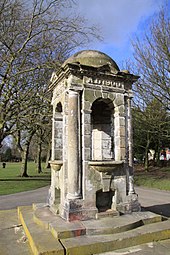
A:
(119, 20)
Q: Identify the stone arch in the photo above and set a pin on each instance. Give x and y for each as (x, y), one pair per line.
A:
(58, 132)
(102, 126)
(59, 107)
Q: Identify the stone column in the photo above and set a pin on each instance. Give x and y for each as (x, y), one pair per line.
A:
(73, 146)
(130, 145)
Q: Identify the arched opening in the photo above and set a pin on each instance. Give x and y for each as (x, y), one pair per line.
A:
(59, 107)
(58, 132)
(102, 122)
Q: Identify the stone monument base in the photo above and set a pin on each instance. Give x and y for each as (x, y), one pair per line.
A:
(50, 234)
(74, 210)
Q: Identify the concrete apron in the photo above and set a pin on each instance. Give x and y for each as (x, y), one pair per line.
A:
(50, 234)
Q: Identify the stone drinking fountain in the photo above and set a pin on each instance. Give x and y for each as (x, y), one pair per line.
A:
(92, 159)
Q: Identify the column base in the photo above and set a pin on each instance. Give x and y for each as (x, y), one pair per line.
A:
(73, 197)
(73, 210)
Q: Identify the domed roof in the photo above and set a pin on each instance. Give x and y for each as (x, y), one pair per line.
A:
(92, 58)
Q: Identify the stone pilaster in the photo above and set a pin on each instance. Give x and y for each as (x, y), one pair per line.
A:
(130, 145)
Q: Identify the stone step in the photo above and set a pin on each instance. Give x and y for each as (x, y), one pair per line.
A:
(97, 238)
(120, 224)
(58, 227)
(87, 245)
(62, 229)
(41, 240)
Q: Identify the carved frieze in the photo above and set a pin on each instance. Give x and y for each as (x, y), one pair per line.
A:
(104, 82)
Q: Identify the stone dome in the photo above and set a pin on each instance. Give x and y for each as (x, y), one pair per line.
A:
(92, 58)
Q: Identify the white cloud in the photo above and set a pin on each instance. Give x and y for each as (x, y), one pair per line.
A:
(118, 18)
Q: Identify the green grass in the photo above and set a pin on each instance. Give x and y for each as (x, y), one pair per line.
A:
(12, 182)
(158, 178)
(153, 183)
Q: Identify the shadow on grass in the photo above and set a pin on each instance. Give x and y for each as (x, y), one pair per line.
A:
(163, 209)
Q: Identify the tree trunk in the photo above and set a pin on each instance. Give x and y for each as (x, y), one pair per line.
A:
(146, 153)
(24, 153)
(158, 154)
(154, 158)
(24, 161)
(47, 164)
(38, 160)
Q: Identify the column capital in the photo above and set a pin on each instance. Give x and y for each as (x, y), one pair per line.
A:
(86, 111)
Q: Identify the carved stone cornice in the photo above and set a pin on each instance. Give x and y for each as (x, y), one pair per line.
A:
(102, 73)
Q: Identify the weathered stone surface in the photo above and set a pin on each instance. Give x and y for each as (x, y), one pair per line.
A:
(119, 100)
(92, 58)
(112, 96)
(104, 95)
(90, 103)
(86, 105)
(89, 95)
(98, 94)
(122, 110)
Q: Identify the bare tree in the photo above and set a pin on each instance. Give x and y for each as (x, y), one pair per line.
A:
(151, 130)
(152, 55)
(36, 37)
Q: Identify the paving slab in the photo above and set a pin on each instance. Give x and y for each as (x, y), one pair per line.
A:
(40, 240)
(13, 240)
(153, 248)
(166, 244)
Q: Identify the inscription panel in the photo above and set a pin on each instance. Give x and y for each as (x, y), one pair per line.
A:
(104, 82)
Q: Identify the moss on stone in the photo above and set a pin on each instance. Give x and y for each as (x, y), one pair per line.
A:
(89, 95)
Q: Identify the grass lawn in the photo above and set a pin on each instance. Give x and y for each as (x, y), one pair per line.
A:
(11, 182)
(156, 177)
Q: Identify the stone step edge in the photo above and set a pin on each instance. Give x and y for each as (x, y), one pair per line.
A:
(58, 234)
(73, 233)
(107, 243)
(111, 242)
(37, 248)
(127, 227)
